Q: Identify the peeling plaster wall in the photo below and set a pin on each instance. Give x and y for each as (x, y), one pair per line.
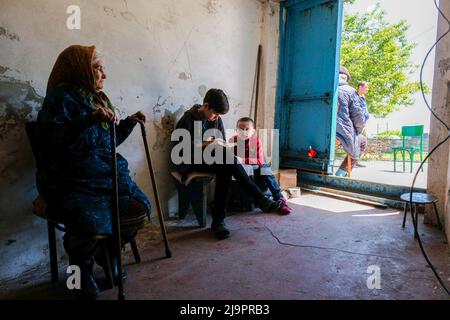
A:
(161, 56)
(439, 164)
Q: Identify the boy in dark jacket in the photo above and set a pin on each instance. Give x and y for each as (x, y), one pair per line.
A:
(205, 119)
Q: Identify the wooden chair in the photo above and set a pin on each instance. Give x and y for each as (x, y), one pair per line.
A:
(40, 210)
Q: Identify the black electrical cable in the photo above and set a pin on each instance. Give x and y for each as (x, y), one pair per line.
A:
(430, 153)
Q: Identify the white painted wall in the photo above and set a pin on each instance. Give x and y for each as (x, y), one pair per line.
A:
(161, 56)
(439, 164)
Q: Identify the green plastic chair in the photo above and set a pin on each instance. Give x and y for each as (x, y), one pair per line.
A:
(409, 131)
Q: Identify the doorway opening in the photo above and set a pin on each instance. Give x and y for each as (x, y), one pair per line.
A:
(314, 41)
(382, 46)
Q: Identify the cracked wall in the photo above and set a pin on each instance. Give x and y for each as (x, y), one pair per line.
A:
(161, 56)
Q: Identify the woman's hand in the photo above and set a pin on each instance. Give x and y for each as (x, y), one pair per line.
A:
(104, 115)
(138, 117)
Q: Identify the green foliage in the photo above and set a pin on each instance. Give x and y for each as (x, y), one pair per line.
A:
(389, 134)
(389, 156)
(379, 52)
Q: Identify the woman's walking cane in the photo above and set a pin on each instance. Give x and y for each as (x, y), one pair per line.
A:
(155, 190)
(115, 212)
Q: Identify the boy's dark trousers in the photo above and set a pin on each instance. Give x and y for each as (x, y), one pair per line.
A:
(224, 172)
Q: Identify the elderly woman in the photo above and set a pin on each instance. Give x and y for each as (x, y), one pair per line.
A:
(76, 181)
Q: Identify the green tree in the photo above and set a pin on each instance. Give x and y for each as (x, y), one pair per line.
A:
(379, 52)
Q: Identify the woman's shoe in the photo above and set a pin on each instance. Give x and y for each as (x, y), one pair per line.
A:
(101, 261)
(89, 289)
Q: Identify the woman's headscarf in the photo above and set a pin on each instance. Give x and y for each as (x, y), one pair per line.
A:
(74, 67)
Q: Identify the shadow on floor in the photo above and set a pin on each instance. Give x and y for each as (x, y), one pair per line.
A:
(323, 250)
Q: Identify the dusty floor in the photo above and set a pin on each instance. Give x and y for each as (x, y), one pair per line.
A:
(321, 251)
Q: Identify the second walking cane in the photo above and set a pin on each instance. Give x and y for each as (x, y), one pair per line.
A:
(115, 212)
(155, 190)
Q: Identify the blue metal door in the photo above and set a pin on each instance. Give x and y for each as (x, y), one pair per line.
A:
(310, 39)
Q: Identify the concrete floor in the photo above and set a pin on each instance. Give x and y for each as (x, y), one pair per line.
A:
(321, 251)
(383, 172)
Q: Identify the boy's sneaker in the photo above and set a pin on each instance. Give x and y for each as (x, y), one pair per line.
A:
(284, 209)
(282, 199)
(279, 206)
(268, 205)
(220, 230)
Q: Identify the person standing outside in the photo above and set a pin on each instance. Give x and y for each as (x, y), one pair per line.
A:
(363, 88)
(350, 122)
